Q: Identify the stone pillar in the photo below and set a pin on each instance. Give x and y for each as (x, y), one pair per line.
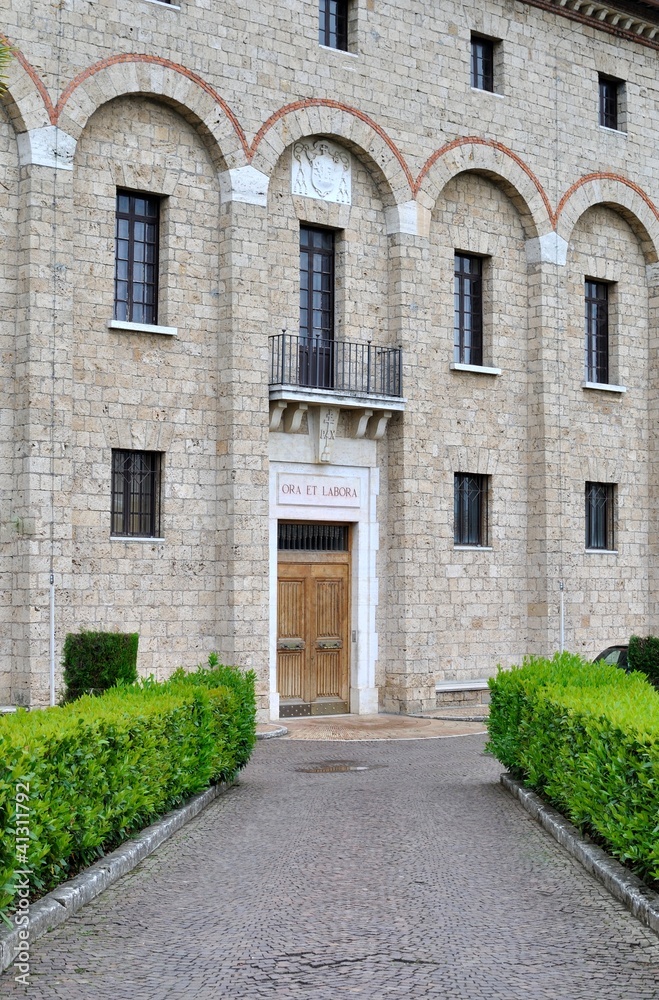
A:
(44, 387)
(242, 544)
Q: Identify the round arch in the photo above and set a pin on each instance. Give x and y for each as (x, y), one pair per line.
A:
(25, 98)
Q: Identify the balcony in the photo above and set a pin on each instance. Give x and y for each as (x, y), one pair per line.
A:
(345, 374)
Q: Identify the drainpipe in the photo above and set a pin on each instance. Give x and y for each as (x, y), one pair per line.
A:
(52, 640)
(561, 640)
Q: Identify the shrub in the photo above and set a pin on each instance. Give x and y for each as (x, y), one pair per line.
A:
(96, 661)
(82, 778)
(643, 655)
(586, 737)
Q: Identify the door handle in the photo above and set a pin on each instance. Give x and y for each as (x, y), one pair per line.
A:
(290, 644)
(329, 644)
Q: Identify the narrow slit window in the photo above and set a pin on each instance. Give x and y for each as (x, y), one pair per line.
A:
(468, 310)
(597, 331)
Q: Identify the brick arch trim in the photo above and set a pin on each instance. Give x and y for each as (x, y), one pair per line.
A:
(134, 73)
(25, 97)
(619, 193)
(323, 116)
(486, 156)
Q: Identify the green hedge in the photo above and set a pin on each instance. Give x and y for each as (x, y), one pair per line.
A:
(585, 736)
(643, 655)
(82, 778)
(97, 661)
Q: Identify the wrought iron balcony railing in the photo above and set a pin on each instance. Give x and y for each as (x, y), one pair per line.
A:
(342, 366)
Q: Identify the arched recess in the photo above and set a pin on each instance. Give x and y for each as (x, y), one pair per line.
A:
(26, 99)
(500, 165)
(619, 194)
(152, 76)
(345, 125)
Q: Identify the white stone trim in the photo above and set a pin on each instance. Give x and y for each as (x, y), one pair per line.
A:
(478, 685)
(402, 219)
(603, 387)
(162, 3)
(134, 538)
(244, 184)
(341, 52)
(457, 366)
(49, 146)
(120, 324)
(547, 249)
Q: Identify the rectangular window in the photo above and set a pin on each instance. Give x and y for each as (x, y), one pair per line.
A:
(316, 343)
(482, 63)
(610, 90)
(597, 331)
(600, 498)
(470, 525)
(136, 258)
(136, 493)
(333, 23)
(468, 310)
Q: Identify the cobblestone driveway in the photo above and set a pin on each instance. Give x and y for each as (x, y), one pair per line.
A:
(418, 877)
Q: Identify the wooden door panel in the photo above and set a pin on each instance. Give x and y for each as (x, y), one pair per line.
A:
(328, 675)
(292, 647)
(330, 612)
(290, 674)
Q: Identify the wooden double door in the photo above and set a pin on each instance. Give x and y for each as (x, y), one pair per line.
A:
(313, 649)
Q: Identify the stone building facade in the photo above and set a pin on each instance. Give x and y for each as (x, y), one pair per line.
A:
(473, 188)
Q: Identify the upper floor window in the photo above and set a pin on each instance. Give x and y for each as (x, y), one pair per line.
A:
(600, 519)
(136, 493)
(597, 331)
(136, 258)
(470, 515)
(333, 23)
(482, 63)
(468, 309)
(611, 92)
(316, 344)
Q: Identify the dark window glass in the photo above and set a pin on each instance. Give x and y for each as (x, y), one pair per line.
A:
(482, 63)
(308, 537)
(609, 93)
(136, 258)
(333, 23)
(468, 310)
(316, 345)
(599, 515)
(470, 509)
(597, 331)
(136, 493)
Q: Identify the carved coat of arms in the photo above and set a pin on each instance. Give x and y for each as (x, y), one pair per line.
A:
(321, 169)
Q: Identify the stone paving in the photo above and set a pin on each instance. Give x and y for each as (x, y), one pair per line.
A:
(413, 876)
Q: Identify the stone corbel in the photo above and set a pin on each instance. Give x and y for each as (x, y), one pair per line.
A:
(276, 414)
(378, 425)
(293, 417)
(360, 423)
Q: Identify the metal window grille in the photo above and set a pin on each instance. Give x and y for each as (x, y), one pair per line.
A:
(136, 493)
(609, 93)
(333, 23)
(307, 537)
(597, 331)
(136, 258)
(600, 515)
(470, 509)
(482, 64)
(468, 310)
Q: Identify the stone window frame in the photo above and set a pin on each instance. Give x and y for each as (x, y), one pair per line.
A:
(136, 483)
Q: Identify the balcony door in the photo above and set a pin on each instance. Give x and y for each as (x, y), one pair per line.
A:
(316, 345)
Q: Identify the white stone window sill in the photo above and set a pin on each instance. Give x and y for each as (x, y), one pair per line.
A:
(121, 324)
(473, 548)
(457, 366)
(613, 131)
(330, 48)
(492, 93)
(603, 387)
(161, 3)
(134, 538)
(601, 552)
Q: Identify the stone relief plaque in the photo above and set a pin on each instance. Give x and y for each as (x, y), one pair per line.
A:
(322, 170)
(323, 491)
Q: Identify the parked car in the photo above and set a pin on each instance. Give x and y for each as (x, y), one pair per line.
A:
(616, 655)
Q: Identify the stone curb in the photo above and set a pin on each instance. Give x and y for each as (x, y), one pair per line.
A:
(57, 906)
(279, 731)
(642, 901)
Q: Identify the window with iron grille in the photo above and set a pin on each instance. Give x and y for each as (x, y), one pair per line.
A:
(482, 63)
(136, 258)
(470, 496)
(610, 92)
(136, 493)
(309, 537)
(597, 331)
(600, 515)
(333, 23)
(468, 310)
